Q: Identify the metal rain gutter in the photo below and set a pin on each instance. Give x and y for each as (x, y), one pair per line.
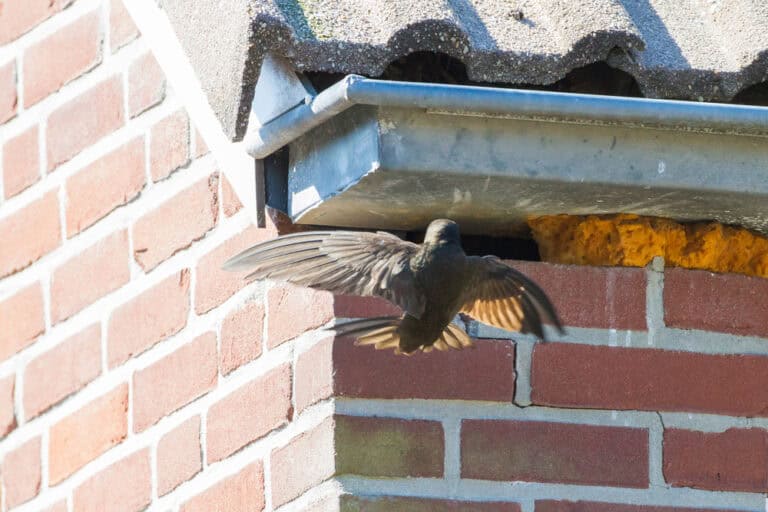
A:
(512, 103)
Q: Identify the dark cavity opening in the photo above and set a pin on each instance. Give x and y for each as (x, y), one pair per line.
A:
(753, 95)
(480, 245)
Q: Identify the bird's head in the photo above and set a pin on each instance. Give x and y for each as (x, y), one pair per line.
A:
(442, 230)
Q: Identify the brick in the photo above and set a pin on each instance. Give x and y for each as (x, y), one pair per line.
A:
(9, 99)
(149, 318)
(389, 447)
(122, 28)
(533, 451)
(178, 456)
(485, 373)
(734, 460)
(303, 463)
(21, 320)
(87, 433)
(22, 473)
(7, 415)
(21, 161)
(230, 202)
(241, 337)
(594, 377)
(31, 232)
(111, 181)
(61, 57)
(175, 224)
(315, 374)
(125, 486)
(601, 297)
(146, 84)
(293, 310)
(20, 16)
(215, 285)
(593, 506)
(193, 372)
(731, 303)
(98, 270)
(249, 413)
(351, 306)
(75, 362)
(386, 504)
(84, 120)
(241, 492)
(169, 145)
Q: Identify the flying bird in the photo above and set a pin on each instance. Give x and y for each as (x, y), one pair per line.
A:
(431, 283)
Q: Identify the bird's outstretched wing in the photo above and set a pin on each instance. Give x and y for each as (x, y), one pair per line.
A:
(344, 262)
(499, 295)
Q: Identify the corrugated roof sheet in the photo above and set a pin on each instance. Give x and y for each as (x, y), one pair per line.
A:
(696, 49)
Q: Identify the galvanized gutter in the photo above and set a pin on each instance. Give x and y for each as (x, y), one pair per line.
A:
(512, 103)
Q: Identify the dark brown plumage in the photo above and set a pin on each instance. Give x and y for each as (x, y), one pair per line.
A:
(431, 282)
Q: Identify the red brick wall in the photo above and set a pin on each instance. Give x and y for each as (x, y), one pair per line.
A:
(134, 373)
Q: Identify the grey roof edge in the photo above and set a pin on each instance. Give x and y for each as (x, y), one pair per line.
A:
(272, 35)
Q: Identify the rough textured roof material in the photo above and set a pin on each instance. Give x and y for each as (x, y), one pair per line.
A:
(689, 49)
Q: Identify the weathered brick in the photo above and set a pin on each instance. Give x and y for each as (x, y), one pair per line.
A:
(84, 120)
(249, 413)
(21, 320)
(7, 415)
(385, 504)
(111, 181)
(595, 377)
(146, 84)
(122, 28)
(29, 234)
(178, 456)
(9, 99)
(241, 492)
(230, 202)
(87, 433)
(388, 447)
(193, 372)
(315, 374)
(149, 318)
(485, 373)
(593, 506)
(283, 303)
(695, 299)
(215, 285)
(20, 16)
(602, 297)
(61, 57)
(175, 224)
(21, 161)
(90, 275)
(125, 486)
(169, 145)
(534, 451)
(75, 362)
(734, 460)
(241, 337)
(315, 449)
(21, 473)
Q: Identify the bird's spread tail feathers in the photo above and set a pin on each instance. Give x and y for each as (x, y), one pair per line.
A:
(384, 333)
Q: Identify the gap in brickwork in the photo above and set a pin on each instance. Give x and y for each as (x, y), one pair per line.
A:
(481, 245)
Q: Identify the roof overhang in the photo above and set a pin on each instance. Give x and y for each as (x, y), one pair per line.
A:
(394, 155)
